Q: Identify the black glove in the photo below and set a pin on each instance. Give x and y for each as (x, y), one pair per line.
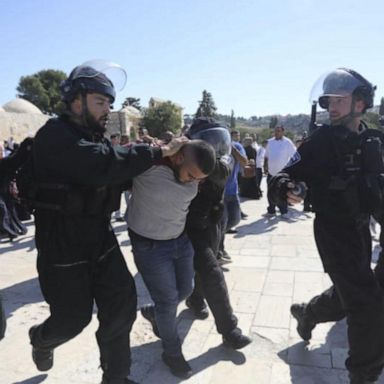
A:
(278, 188)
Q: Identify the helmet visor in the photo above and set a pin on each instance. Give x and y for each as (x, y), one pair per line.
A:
(92, 68)
(218, 137)
(337, 83)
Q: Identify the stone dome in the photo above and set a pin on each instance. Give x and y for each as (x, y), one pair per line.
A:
(132, 111)
(21, 106)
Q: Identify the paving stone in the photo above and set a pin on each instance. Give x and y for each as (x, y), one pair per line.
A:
(273, 311)
(261, 262)
(246, 279)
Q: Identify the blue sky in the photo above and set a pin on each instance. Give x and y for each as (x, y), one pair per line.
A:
(256, 57)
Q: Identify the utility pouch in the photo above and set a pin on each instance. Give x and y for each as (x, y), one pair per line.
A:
(373, 175)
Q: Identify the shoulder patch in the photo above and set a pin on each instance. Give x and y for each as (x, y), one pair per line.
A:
(294, 159)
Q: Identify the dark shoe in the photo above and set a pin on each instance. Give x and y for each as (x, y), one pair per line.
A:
(148, 312)
(222, 261)
(304, 324)
(120, 219)
(42, 357)
(178, 365)
(243, 215)
(231, 231)
(236, 340)
(200, 311)
(225, 255)
(117, 381)
(358, 379)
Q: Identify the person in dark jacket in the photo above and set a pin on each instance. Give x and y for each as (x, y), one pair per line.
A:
(342, 164)
(204, 230)
(77, 185)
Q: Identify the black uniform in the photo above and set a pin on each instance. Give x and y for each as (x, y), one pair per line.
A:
(332, 163)
(204, 231)
(79, 261)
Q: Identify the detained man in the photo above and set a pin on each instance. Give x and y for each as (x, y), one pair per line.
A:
(163, 254)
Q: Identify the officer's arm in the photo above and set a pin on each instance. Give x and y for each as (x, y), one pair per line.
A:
(297, 170)
(85, 162)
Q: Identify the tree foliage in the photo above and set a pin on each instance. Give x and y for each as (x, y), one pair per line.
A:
(273, 122)
(132, 102)
(207, 107)
(372, 119)
(162, 117)
(381, 109)
(43, 90)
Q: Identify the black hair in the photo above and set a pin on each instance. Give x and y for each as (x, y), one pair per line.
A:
(202, 154)
(235, 133)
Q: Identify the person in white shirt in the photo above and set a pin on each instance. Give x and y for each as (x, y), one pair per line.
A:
(279, 151)
(260, 158)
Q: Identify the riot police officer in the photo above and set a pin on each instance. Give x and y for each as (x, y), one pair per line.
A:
(77, 177)
(341, 163)
(204, 230)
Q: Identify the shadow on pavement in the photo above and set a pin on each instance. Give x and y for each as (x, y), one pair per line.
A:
(263, 225)
(32, 380)
(214, 355)
(316, 362)
(20, 294)
(21, 242)
(148, 367)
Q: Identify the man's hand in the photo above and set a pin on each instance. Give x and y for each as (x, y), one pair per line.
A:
(173, 146)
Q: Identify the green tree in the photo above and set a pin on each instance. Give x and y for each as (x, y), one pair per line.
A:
(207, 107)
(132, 102)
(381, 109)
(43, 90)
(233, 120)
(273, 122)
(162, 117)
(372, 119)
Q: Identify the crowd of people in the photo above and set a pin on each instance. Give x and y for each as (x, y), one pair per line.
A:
(183, 196)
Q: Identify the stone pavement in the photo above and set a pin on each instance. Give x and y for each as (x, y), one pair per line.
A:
(275, 263)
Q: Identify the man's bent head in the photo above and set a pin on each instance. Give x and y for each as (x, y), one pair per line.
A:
(195, 161)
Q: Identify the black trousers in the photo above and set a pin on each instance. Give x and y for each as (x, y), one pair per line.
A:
(345, 250)
(71, 289)
(3, 322)
(210, 282)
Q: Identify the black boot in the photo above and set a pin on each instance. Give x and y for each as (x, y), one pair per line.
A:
(200, 311)
(359, 379)
(42, 357)
(178, 365)
(236, 340)
(304, 324)
(117, 381)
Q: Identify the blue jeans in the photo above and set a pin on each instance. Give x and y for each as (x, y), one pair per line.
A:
(167, 270)
(232, 213)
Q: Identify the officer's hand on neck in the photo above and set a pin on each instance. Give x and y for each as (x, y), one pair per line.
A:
(173, 146)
